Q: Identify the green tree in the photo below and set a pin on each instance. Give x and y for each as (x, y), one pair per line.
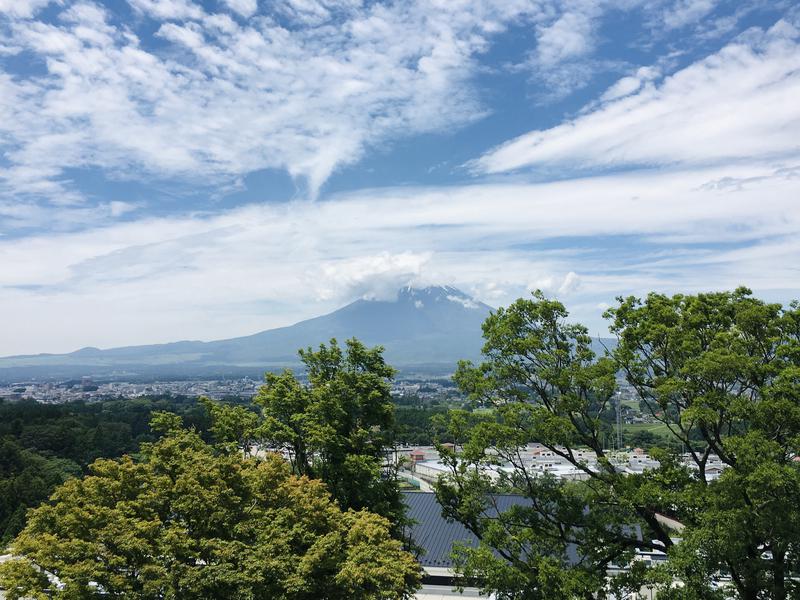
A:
(338, 426)
(26, 480)
(643, 439)
(234, 425)
(721, 370)
(43, 444)
(192, 521)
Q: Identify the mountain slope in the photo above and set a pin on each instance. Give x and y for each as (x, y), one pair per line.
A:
(432, 327)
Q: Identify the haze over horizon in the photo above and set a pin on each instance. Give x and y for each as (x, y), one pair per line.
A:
(421, 330)
(176, 169)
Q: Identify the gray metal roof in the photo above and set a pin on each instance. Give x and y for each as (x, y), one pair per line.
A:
(435, 534)
(432, 532)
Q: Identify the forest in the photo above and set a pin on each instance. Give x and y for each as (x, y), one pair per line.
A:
(42, 445)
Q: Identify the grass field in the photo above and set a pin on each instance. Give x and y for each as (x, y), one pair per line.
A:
(654, 428)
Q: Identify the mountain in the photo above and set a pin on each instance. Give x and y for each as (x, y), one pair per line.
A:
(422, 329)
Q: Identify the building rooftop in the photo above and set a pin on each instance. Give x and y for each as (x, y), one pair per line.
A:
(435, 534)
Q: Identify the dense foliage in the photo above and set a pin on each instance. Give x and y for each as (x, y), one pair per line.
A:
(416, 425)
(26, 480)
(84, 431)
(721, 371)
(339, 425)
(41, 445)
(192, 520)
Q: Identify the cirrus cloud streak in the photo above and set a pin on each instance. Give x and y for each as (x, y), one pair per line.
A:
(736, 104)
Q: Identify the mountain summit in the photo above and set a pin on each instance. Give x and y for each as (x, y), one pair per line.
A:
(422, 328)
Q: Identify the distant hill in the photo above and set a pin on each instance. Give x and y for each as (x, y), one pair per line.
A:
(424, 331)
(427, 330)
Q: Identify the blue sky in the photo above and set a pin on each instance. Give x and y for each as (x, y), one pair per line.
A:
(173, 169)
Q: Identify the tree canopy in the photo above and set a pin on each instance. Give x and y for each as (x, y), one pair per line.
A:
(338, 425)
(336, 422)
(720, 370)
(192, 520)
(41, 445)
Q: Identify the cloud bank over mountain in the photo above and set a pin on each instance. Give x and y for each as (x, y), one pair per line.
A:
(265, 265)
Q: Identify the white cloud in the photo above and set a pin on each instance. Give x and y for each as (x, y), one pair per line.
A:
(570, 284)
(375, 277)
(225, 98)
(558, 286)
(16, 215)
(316, 12)
(245, 8)
(22, 8)
(215, 276)
(630, 84)
(568, 37)
(736, 104)
(168, 9)
(687, 12)
(465, 302)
